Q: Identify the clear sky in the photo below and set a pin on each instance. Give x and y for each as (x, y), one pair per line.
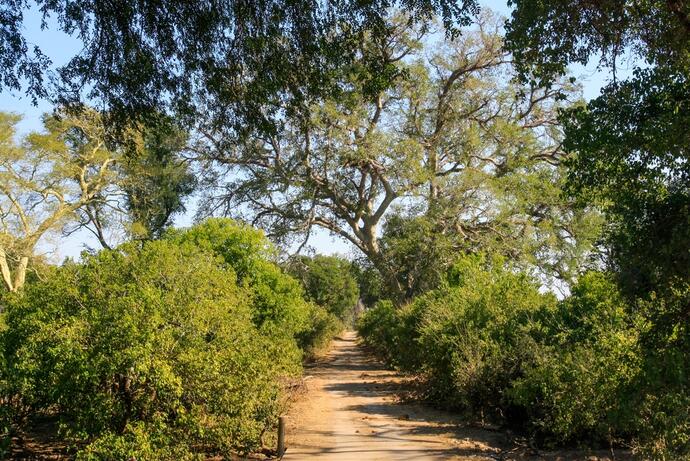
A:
(60, 47)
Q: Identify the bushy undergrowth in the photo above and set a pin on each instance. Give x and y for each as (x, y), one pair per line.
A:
(490, 344)
(328, 281)
(279, 308)
(172, 349)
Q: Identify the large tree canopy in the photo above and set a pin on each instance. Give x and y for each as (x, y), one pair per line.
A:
(451, 139)
(546, 36)
(631, 144)
(139, 55)
(633, 158)
(631, 155)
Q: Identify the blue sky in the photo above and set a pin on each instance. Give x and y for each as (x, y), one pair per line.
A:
(60, 47)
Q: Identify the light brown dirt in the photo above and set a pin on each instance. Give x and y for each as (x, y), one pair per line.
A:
(350, 412)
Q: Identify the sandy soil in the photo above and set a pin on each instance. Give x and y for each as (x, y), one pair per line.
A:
(350, 411)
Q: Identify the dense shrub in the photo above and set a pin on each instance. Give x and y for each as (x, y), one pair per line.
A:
(663, 399)
(148, 352)
(470, 338)
(6, 410)
(328, 281)
(323, 327)
(580, 388)
(378, 328)
(480, 333)
(279, 308)
(278, 305)
(588, 368)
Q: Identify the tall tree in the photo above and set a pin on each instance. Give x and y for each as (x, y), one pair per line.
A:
(156, 178)
(45, 181)
(631, 149)
(153, 179)
(452, 139)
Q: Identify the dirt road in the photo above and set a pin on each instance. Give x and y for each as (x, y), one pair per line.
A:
(350, 412)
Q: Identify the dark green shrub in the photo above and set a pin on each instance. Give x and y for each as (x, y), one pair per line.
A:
(378, 328)
(146, 351)
(278, 305)
(607, 378)
(391, 332)
(580, 389)
(592, 368)
(7, 414)
(663, 389)
(329, 282)
(479, 334)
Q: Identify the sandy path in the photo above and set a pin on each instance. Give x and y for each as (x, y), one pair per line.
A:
(350, 412)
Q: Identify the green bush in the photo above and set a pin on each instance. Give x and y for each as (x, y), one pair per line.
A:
(585, 369)
(391, 332)
(479, 334)
(279, 308)
(378, 328)
(324, 326)
(469, 339)
(663, 388)
(7, 412)
(146, 351)
(328, 281)
(278, 305)
(608, 376)
(580, 389)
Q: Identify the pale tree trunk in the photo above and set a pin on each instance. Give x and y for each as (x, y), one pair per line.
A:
(19, 272)
(5, 270)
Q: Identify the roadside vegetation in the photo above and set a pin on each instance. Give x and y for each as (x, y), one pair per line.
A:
(168, 349)
(581, 370)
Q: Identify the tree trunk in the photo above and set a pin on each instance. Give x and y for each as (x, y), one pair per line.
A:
(20, 273)
(5, 270)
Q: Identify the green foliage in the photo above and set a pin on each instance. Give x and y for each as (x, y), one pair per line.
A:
(448, 157)
(629, 149)
(323, 327)
(146, 350)
(141, 442)
(480, 333)
(378, 327)
(369, 280)
(470, 338)
(664, 422)
(579, 389)
(277, 303)
(631, 146)
(564, 372)
(420, 251)
(545, 36)
(329, 282)
(278, 307)
(139, 57)
(155, 179)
